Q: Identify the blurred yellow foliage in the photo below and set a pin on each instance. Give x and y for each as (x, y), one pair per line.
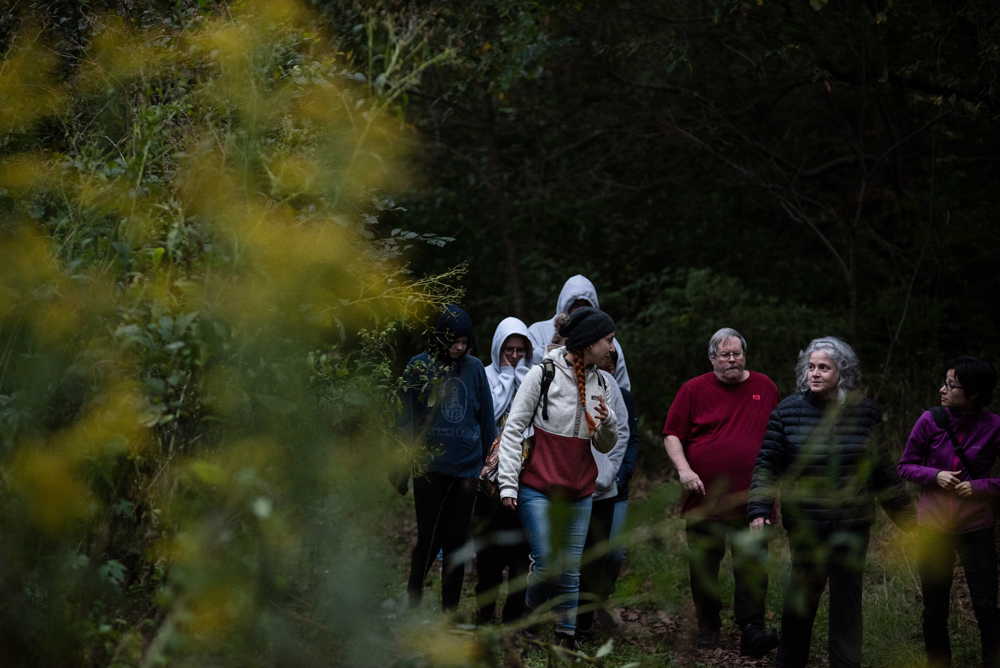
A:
(49, 474)
(51, 487)
(22, 171)
(444, 648)
(28, 90)
(218, 608)
(204, 224)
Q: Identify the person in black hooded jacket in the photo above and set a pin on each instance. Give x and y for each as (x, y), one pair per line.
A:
(447, 416)
(825, 454)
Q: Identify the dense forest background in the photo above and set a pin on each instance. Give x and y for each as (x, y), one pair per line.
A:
(223, 225)
(791, 169)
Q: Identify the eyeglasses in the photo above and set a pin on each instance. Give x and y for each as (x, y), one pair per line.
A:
(951, 388)
(515, 351)
(738, 355)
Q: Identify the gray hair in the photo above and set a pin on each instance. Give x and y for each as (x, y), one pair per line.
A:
(844, 358)
(722, 335)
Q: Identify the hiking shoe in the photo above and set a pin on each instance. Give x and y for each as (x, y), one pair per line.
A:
(608, 618)
(566, 641)
(756, 641)
(707, 639)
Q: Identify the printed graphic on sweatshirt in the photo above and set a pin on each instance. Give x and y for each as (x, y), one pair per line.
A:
(456, 400)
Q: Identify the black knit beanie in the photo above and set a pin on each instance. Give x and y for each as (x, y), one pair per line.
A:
(586, 326)
(452, 324)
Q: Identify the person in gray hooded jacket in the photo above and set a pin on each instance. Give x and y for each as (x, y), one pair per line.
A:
(577, 291)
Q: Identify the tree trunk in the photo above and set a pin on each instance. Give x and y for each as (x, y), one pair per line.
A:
(498, 191)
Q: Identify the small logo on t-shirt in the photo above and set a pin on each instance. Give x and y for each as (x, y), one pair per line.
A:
(457, 401)
(756, 397)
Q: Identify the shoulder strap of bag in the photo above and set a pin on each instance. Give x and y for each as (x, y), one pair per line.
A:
(941, 419)
(548, 373)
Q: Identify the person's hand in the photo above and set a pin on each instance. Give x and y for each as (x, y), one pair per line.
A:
(602, 409)
(947, 479)
(691, 482)
(509, 502)
(964, 489)
(503, 360)
(758, 524)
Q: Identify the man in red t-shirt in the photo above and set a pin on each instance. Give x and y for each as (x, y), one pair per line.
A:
(713, 434)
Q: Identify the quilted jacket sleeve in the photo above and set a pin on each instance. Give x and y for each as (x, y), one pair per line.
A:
(889, 488)
(771, 463)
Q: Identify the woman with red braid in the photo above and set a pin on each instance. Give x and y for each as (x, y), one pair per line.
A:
(561, 470)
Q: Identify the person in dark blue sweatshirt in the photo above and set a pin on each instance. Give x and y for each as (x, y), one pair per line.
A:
(448, 418)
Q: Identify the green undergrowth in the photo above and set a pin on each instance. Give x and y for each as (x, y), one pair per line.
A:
(653, 596)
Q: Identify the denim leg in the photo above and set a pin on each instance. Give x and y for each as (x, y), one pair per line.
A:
(533, 509)
(593, 589)
(554, 573)
(977, 550)
(935, 564)
(616, 555)
(706, 547)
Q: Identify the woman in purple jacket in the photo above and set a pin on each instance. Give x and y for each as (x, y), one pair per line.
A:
(954, 511)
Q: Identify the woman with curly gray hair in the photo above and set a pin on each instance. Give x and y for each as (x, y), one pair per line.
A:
(824, 454)
(821, 356)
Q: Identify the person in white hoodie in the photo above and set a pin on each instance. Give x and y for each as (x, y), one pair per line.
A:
(576, 292)
(568, 420)
(499, 538)
(512, 356)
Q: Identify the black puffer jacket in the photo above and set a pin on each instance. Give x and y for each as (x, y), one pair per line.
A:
(829, 461)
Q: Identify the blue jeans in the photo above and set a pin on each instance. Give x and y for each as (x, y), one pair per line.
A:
(616, 553)
(555, 558)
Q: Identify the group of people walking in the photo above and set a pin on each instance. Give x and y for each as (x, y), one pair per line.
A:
(558, 395)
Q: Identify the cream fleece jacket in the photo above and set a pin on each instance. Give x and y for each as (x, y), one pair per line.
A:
(565, 416)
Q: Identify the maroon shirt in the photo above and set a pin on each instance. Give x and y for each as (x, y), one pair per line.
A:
(722, 427)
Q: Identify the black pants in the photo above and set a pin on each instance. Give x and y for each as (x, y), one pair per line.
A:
(840, 558)
(706, 548)
(936, 563)
(444, 512)
(595, 585)
(500, 543)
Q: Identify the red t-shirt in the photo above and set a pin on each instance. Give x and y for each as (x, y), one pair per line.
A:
(722, 428)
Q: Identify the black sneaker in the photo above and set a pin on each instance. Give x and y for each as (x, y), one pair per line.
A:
(756, 641)
(566, 641)
(609, 618)
(585, 635)
(707, 639)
